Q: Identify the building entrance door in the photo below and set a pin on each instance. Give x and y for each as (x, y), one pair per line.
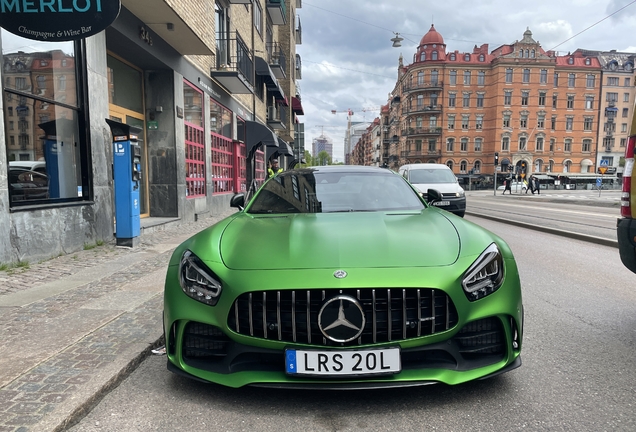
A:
(126, 105)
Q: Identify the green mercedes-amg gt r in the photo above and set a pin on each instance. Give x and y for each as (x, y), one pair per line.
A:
(341, 277)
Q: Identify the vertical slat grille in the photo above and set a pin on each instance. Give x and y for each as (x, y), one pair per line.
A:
(392, 314)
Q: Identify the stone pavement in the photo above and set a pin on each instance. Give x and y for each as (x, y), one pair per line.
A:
(71, 328)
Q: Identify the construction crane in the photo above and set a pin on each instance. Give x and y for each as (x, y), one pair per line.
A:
(322, 128)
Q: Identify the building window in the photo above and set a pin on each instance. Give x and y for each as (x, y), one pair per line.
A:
(524, 98)
(532, 54)
(478, 144)
(625, 97)
(570, 102)
(587, 145)
(543, 76)
(466, 101)
(505, 144)
(64, 175)
(509, 75)
(420, 78)
(623, 142)
(507, 97)
(627, 82)
(506, 120)
(553, 122)
(433, 100)
(466, 77)
(552, 143)
(481, 78)
(482, 58)
(541, 98)
(463, 143)
(194, 141)
(612, 81)
(568, 123)
(571, 79)
(453, 57)
(554, 100)
(423, 56)
(465, 121)
(522, 143)
(451, 100)
(523, 121)
(625, 112)
(611, 97)
(451, 122)
(589, 82)
(258, 18)
(556, 79)
(539, 144)
(434, 75)
(449, 164)
(432, 145)
(567, 145)
(450, 142)
(434, 55)
(589, 102)
(453, 77)
(587, 123)
(540, 121)
(466, 57)
(624, 127)
(480, 100)
(462, 166)
(526, 76)
(479, 122)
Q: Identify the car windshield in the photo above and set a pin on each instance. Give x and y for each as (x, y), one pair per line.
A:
(431, 176)
(316, 191)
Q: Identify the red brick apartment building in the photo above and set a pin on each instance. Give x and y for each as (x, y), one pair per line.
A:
(538, 110)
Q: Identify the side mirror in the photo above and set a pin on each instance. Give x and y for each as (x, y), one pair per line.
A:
(238, 201)
(433, 195)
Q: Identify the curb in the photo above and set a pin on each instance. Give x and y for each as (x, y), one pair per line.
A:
(562, 233)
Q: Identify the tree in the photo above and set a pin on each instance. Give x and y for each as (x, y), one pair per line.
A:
(323, 159)
(308, 159)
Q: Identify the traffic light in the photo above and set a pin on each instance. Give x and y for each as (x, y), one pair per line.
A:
(496, 158)
(523, 167)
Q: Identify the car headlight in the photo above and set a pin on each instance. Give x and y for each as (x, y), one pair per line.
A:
(485, 275)
(197, 280)
(460, 194)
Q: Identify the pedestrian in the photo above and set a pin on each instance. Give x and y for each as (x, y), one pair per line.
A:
(507, 185)
(537, 185)
(530, 185)
(274, 168)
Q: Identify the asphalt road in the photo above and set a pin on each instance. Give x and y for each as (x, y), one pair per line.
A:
(578, 368)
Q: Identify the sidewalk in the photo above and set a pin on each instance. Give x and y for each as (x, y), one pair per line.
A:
(607, 198)
(74, 326)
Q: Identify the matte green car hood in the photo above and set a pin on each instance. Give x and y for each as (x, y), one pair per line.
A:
(340, 240)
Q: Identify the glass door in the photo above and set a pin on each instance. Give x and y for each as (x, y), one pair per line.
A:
(126, 105)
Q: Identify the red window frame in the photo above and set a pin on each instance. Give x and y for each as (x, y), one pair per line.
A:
(223, 164)
(195, 155)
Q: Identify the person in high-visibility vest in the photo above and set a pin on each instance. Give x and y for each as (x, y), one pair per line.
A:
(274, 168)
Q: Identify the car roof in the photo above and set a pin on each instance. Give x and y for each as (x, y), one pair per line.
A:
(344, 169)
(426, 166)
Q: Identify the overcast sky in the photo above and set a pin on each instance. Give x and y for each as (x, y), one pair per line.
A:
(348, 61)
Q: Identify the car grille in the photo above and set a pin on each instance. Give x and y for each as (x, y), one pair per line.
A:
(481, 338)
(392, 314)
(204, 341)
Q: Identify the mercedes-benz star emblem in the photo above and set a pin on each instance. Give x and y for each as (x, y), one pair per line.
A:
(341, 319)
(340, 274)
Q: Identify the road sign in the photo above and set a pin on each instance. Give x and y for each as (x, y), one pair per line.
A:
(599, 181)
(604, 162)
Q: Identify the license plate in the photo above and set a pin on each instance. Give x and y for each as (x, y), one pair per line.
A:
(343, 363)
(441, 203)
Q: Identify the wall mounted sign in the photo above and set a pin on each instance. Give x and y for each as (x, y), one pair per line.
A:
(57, 20)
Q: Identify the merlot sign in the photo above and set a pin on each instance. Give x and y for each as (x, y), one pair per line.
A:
(57, 20)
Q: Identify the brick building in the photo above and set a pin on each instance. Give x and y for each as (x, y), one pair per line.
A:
(537, 109)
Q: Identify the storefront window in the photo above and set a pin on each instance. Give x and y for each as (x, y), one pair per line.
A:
(47, 151)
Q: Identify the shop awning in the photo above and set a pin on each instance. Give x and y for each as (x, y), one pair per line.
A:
(297, 107)
(271, 82)
(586, 162)
(258, 134)
(611, 109)
(285, 148)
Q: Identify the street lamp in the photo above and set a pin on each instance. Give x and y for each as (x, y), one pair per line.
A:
(397, 40)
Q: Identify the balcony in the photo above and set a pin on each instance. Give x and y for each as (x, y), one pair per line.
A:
(422, 131)
(277, 10)
(277, 60)
(433, 85)
(422, 154)
(234, 66)
(276, 117)
(422, 109)
(299, 32)
(299, 67)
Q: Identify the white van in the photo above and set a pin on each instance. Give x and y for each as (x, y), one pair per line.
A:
(427, 176)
